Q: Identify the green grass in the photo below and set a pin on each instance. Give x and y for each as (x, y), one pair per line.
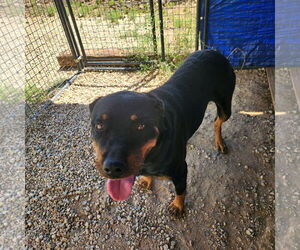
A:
(35, 9)
(111, 3)
(184, 41)
(114, 16)
(98, 9)
(166, 68)
(147, 39)
(51, 11)
(35, 94)
(113, 10)
(10, 94)
(178, 23)
(132, 15)
(185, 21)
(82, 9)
(128, 34)
(33, 3)
(31, 94)
(142, 39)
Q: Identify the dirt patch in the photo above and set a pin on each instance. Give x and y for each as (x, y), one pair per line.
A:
(230, 198)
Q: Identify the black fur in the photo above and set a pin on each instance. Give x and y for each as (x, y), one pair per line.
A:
(176, 109)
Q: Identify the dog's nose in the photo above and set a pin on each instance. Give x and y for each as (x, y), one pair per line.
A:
(113, 168)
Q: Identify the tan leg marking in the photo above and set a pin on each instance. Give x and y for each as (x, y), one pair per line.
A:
(220, 145)
(177, 206)
(145, 182)
(163, 178)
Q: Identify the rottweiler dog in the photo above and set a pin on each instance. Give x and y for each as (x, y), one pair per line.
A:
(146, 133)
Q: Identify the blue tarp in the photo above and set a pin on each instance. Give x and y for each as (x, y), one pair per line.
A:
(243, 30)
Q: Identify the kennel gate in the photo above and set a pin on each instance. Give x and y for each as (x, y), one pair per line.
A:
(122, 43)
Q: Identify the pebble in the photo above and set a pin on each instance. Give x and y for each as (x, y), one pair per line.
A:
(250, 232)
(173, 243)
(165, 247)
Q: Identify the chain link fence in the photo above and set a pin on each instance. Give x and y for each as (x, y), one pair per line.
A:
(146, 29)
(115, 28)
(179, 18)
(45, 40)
(12, 56)
(119, 28)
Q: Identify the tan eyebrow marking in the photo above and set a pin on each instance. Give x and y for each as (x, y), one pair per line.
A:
(104, 116)
(133, 117)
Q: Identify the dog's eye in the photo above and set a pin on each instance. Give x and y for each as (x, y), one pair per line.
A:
(100, 126)
(140, 127)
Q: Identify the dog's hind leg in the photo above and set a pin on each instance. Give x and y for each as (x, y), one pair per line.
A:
(223, 114)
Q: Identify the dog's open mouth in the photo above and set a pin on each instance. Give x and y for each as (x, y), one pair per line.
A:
(120, 189)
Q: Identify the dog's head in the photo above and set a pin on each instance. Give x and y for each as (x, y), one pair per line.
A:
(125, 127)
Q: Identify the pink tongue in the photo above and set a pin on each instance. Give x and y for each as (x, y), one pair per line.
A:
(120, 189)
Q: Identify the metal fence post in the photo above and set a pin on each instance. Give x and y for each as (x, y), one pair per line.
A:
(69, 32)
(76, 31)
(197, 35)
(205, 19)
(161, 26)
(63, 22)
(151, 5)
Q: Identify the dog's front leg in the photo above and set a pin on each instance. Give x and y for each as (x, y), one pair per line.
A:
(145, 182)
(177, 205)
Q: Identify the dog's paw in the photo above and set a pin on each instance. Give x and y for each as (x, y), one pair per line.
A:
(145, 182)
(176, 209)
(221, 147)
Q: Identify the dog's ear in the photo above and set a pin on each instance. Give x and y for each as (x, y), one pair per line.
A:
(160, 107)
(92, 105)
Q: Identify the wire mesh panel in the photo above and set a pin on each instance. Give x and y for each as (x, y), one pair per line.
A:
(179, 19)
(115, 28)
(132, 28)
(45, 40)
(108, 28)
(12, 55)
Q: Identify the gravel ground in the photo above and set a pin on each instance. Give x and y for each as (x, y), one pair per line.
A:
(12, 178)
(287, 163)
(230, 199)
